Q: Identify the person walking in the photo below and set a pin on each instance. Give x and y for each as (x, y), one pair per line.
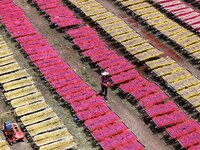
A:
(105, 83)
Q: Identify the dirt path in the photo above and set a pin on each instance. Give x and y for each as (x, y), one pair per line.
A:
(168, 51)
(64, 114)
(3, 109)
(8, 117)
(127, 112)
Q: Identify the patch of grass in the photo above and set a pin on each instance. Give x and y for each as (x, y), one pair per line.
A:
(84, 72)
(94, 84)
(55, 42)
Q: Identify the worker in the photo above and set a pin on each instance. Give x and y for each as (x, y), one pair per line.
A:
(105, 83)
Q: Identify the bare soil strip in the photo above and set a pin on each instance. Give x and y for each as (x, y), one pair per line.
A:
(64, 114)
(168, 51)
(127, 112)
(6, 115)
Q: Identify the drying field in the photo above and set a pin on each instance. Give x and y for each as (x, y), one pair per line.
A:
(53, 52)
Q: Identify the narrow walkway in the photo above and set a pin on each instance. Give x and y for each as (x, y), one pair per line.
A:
(126, 112)
(5, 115)
(168, 51)
(64, 114)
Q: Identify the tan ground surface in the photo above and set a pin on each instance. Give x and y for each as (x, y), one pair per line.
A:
(125, 110)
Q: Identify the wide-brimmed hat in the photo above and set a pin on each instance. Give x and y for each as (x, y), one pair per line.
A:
(104, 73)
